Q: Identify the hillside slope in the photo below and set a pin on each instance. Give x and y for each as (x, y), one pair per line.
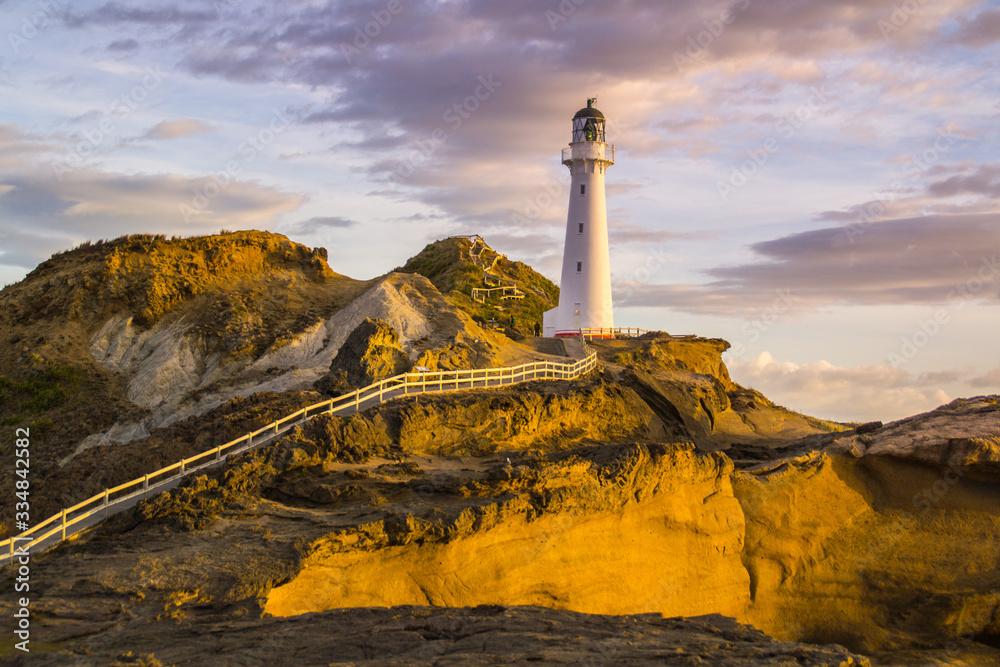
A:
(234, 296)
(450, 265)
(112, 341)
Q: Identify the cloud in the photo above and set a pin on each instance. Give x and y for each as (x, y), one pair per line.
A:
(19, 148)
(41, 214)
(939, 378)
(113, 13)
(990, 380)
(979, 31)
(386, 105)
(861, 393)
(621, 233)
(934, 259)
(984, 180)
(320, 223)
(123, 45)
(176, 129)
(41, 198)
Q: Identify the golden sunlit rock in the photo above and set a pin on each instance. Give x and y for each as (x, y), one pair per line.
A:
(601, 507)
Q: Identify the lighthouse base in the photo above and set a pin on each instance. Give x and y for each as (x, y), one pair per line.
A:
(554, 326)
(550, 322)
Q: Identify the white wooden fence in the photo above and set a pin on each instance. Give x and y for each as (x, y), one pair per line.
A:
(607, 332)
(613, 332)
(111, 501)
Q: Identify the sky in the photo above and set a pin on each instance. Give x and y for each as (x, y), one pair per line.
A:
(814, 182)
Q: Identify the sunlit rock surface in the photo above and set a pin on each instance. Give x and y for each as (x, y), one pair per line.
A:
(552, 521)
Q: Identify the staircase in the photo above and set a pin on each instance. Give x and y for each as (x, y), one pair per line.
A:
(507, 289)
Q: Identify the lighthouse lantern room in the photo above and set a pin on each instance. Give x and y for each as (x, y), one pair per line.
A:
(585, 286)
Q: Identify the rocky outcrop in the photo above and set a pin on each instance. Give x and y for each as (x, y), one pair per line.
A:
(685, 382)
(658, 352)
(545, 416)
(485, 635)
(644, 529)
(691, 401)
(614, 494)
(174, 373)
(184, 325)
(888, 555)
(456, 266)
(371, 353)
(963, 435)
(886, 540)
(866, 554)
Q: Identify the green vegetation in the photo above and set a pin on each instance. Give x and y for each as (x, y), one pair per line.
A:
(448, 265)
(37, 393)
(245, 292)
(151, 274)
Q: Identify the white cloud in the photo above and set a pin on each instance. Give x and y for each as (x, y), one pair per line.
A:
(990, 380)
(821, 389)
(176, 129)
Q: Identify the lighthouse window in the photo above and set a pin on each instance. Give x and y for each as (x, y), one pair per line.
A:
(583, 189)
(579, 267)
(581, 228)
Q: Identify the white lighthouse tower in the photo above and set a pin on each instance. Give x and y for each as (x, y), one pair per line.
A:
(585, 288)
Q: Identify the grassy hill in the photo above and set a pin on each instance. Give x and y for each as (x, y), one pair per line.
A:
(449, 265)
(244, 292)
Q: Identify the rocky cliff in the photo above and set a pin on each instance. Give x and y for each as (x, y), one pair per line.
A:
(831, 547)
(112, 342)
(453, 526)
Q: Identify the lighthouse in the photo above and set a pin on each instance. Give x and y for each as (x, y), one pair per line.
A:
(585, 287)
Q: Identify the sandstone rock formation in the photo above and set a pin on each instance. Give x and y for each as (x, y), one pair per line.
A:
(686, 383)
(455, 526)
(372, 352)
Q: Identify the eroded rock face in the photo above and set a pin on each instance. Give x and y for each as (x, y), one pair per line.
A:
(699, 407)
(656, 352)
(886, 540)
(372, 352)
(171, 370)
(690, 400)
(838, 551)
(571, 496)
(963, 435)
(822, 547)
(547, 416)
(652, 529)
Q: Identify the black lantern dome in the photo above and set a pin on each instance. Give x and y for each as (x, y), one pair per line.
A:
(588, 123)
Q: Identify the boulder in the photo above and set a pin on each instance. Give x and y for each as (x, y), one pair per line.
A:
(372, 352)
